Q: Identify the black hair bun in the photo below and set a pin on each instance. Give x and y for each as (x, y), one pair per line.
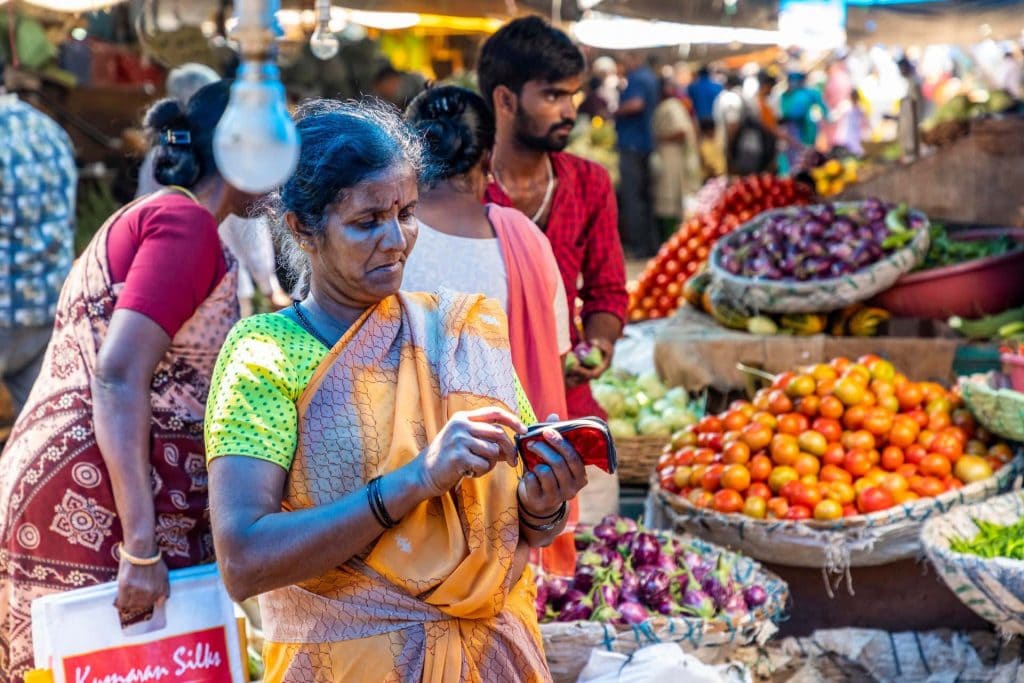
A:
(456, 126)
(172, 164)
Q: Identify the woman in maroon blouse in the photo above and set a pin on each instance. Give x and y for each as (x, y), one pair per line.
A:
(118, 407)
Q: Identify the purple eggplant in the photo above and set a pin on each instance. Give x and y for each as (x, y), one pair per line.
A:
(606, 614)
(755, 595)
(697, 603)
(654, 586)
(585, 578)
(633, 612)
(645, 549)
(578, 608)
(609, 594)
(558, 590)
(606, 533)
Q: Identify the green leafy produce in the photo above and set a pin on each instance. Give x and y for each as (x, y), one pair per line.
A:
(946, 250)
(993, 540)
(643, 406)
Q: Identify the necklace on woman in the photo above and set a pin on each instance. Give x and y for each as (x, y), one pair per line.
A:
(548, 193)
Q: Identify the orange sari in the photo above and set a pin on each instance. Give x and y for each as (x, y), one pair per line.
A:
(437, 597)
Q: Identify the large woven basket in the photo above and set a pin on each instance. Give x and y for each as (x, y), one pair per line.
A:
(993, 588)
(638, 457)
(861, 541)
(1000, 410)
(814, 296)
(567, 646)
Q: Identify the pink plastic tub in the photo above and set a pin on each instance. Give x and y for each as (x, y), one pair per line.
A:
(969, 290)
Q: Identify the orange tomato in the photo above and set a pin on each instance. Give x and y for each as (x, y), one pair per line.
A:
(779, 403)
(760, 401)
(825, 388)
(821, 372)
(841, 492)
(781, 476)
(800, 386)
(681, 476)
(975, 447)
(948, 445)
(859, 373)
(868, 359)
(995, 463)
(778, 507)
(735, 420)
(882, 388)
(908, 470)
(914, 454)
(874, 499)
(895, 483)
(784, 449)
(805, 495)
(878, 421)
(935, 465)
(857, 463)
(808, 406)
(812, 442)
(910, 395)
(839, 364)
(759, 490)
(735, 477)
(827, 510)
(890, 403)
(756, 507)
(951, 483)
(792, 423)
(807, 465)
(831, 408)
(933, 391)
(919, 416)
(939, 421)
(928, 487)
(850, 511)
(833, 473)
(892, 458)
(760, 467)
(958, 433)
(869, 400)
(701, 498)
(766, 419)
(835, 454)
(964, 419)
(906, 497)
(783, 379)
(904, 431)
(798, 512)
(829, 428)
(859, 440)
(926, 438)
(854, 417)
(745, 407)
(728, 500)
(705, 456)
(712, 479)
(736, 453)
(709, 424)
(756, 436)
(849, 391)
(1001, 451)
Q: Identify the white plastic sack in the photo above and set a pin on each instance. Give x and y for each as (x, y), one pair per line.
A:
(193, 638)
(662, 663)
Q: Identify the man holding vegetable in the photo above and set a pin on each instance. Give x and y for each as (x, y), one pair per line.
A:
(530, 73)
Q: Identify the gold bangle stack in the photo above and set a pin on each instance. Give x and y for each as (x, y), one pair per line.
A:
(139, 561)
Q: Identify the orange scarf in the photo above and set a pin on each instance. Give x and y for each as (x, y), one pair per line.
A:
(532, 282)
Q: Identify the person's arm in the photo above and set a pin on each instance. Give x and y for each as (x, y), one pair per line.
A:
(121, 415)
(631, 107)
(604, 278)
(260, 548)
(551, 484)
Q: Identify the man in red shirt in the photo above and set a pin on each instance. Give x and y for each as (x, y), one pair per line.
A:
(530, 73)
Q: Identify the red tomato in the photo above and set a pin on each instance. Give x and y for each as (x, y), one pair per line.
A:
(830, 428)
(874, 499)
(798, 512)
(728, 500)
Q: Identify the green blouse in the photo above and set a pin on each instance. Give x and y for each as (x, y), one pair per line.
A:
(264, 366)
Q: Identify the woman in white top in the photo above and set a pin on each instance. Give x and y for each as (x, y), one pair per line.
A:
(466, 246)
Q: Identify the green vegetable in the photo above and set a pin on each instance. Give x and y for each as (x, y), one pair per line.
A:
(946, 250)
(993, 540)
(989, 326)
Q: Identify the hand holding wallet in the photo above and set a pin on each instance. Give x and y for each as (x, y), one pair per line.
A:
(589, 436)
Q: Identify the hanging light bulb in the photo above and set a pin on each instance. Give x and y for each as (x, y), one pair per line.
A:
(323, 43)
(256, 145)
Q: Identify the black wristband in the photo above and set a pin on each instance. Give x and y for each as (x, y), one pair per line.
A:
(377, 504)
(559, 517)
(523, 508)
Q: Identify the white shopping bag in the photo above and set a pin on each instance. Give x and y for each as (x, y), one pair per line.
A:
(661, 663)
(193, 638)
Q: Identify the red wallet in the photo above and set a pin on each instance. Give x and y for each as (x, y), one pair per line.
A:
(589, 436)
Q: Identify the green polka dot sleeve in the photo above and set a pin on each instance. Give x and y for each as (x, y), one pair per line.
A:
(526, 413)
(262, 370)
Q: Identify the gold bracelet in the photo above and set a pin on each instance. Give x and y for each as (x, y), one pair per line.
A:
(139, 561)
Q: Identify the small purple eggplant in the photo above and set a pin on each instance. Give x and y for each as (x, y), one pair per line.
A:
(755, 595)
(578, 608)
(633, 612)
(558, 590)
(654, 587)
(698, 603)
(585, 578)
(645, 549)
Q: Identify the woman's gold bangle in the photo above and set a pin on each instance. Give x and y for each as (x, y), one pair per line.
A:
(139, 561)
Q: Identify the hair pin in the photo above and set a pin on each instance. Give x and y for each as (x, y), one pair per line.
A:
(176, 137)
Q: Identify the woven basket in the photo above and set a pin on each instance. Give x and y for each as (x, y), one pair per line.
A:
(638, 457)
(860, 541)
(993, 588)
(1000, 410)
(814, 296)
(567, 646)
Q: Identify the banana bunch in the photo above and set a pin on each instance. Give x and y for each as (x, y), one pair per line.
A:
(1007, 325)
(833, 176)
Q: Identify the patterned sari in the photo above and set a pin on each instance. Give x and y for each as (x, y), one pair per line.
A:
(437, 598)
(58, 522)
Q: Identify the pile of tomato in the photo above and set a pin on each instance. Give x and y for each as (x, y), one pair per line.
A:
(658, 289)
(828, 441)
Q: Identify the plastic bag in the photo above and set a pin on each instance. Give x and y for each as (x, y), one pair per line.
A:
(193, 637)
(662, 663)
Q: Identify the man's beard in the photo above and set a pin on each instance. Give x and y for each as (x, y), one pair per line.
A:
(554, 141)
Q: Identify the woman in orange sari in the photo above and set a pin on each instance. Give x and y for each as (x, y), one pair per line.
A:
(363, 479)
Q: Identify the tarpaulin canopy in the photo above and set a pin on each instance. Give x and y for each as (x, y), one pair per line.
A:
(934, 22)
